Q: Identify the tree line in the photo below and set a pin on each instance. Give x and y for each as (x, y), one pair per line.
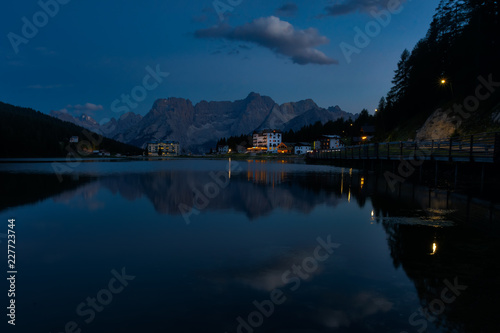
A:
(345, 128)
(29, 133)
(461, 44)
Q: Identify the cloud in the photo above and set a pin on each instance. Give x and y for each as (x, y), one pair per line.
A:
(287, 10)
(361, 305)
(45, 51)
(277, 35)
(79, 109)
(353, 6)
(40, 86)
(86, 106)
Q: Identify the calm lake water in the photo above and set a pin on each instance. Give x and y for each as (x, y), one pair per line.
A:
(244, 246)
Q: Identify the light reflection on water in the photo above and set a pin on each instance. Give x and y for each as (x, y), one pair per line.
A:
(250, 222)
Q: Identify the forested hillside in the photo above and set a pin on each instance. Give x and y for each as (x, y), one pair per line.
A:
(461, 45)
(28, 133)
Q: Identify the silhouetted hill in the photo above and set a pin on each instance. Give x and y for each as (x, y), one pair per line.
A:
(29, 133)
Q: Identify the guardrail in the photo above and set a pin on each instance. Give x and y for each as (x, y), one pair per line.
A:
(484, 147)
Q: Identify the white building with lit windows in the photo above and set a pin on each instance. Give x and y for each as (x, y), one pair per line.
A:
(163, 148)
(267, 141)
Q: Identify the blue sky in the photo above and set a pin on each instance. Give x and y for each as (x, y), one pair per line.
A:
(92, 52)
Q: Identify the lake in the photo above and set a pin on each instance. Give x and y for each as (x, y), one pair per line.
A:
(197, 245)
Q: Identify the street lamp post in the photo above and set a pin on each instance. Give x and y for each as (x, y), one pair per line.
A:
(445, 82)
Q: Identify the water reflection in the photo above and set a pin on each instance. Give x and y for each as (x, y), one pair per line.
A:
(432, 235)
(258, 189)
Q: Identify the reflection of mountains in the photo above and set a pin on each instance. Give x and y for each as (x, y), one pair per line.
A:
(255, 195)
(414, 218)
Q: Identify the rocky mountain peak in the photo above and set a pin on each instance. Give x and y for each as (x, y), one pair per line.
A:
(198, 127)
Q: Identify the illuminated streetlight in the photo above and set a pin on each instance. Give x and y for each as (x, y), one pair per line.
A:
(445, 82)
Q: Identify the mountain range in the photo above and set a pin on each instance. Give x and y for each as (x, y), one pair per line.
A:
(198, 127)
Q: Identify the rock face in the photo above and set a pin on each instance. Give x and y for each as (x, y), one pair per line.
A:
(198, 127)
(116, 128)
(83, 120)
(439, 125)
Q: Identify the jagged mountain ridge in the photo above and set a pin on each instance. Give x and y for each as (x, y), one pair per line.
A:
(198, 127)
(83, 120)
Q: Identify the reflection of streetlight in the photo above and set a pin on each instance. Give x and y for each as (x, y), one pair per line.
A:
(434, 248)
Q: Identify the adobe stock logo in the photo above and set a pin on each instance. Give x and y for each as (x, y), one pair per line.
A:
(40, 19)
(373, 28)
(150, 81)
(222, 7)
(93, 305)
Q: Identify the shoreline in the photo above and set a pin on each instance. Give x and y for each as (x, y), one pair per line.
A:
(150, 158)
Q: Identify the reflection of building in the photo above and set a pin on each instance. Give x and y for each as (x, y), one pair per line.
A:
(302, 148)
(266, 140)
(285, 148)
(73, 139)
(163, 148)
(259, 173)
(331, 142)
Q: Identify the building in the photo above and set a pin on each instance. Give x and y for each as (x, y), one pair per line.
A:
(153, 148)
(302, 148)
(266, 141)
(222, 149)
(169, 148)
(163, 148)
(285, 148)
(367, 132)
(331, 142)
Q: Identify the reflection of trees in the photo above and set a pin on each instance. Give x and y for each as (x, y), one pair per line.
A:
(23, 189)
(430, 253)
(411, 216)
(460, 253)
